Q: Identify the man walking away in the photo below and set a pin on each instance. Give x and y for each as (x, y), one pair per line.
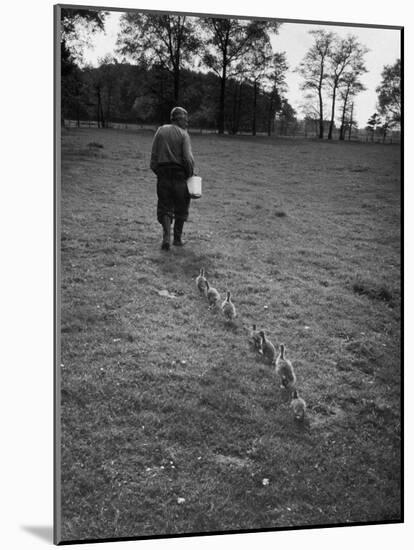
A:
(173, 163)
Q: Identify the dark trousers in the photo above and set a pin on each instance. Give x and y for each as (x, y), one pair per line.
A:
(172, 192)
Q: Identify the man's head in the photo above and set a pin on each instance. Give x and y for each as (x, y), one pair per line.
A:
(179, 116)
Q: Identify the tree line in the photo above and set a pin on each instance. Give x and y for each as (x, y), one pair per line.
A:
(388, 116)
(223, 70)
(332, 70)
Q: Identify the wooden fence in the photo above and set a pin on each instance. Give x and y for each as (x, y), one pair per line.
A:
(294, 131)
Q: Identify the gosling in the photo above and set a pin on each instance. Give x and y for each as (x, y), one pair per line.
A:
(268, 349)
(284, 369)
(298, 406)
(213, 295)
(228, 308)
(256, 339)
(201, 282)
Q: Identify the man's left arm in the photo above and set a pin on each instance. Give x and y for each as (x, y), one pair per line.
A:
(154, 154)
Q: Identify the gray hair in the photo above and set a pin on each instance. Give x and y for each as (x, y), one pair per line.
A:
(177, 113)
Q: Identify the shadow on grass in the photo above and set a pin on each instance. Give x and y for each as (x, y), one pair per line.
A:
(373, 291)
(185, 261)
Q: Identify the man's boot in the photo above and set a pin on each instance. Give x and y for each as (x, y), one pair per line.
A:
(166, 232)
(178, 229)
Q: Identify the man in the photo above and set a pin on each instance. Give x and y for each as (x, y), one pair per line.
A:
(173, 163)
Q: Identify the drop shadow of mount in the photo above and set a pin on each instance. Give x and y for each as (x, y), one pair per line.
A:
(43, 532)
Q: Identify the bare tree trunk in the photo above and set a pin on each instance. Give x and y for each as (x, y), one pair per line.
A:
(222, 96)
(221, 107)
(108, 108)
(342, 129)
(239, 104)
(176, 65)
(103, 118)
(332, 113)
(98, 92)
(224, 46)
(351, 122)
(254, 108)
(176, 86)
(270, 117)
(234, 112)
(321, 128)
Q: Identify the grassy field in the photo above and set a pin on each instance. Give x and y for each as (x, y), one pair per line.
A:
(170, 422)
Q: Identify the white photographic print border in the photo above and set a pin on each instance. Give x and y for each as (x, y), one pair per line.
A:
(57, 218)
(27, 404)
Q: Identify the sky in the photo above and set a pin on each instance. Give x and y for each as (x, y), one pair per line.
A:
(294, 39)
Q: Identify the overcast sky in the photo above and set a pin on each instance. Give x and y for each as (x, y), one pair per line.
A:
(294, 39)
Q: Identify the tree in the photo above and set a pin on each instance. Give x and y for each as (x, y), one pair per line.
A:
(96, 84)
(227, 42)
(373, 123)
(237, 91)
(74, 96)
(76, 26)
(345, 57)
(105, 85)
(348, 122)
(168, 41)
(313, 69)
(352, 123)
(350, 86)
(384, 127)
(256, 62)
(389, 94)
(276, 86)
(310, 114)
(110, 76)
(286, 116)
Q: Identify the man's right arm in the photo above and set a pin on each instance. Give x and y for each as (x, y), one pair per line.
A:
(188, 156)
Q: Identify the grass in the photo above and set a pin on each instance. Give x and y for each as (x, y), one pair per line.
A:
(164, 401)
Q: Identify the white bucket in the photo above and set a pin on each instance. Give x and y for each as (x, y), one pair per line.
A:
(194, 187)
